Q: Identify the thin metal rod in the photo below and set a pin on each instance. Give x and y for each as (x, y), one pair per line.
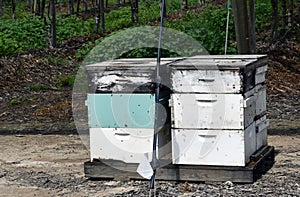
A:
(157, 96)
(227, 26)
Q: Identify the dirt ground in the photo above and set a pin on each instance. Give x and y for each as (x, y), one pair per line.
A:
(52, 165)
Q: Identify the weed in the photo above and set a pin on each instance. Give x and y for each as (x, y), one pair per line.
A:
(37, 87)
(15, 101)
(65, 81)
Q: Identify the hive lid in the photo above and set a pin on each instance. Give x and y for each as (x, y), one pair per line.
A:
(136, 63)
(222, 62)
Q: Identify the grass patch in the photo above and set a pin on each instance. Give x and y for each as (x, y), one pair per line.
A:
(38, 87)
(65, 81)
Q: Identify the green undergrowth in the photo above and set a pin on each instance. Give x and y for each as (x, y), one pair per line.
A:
(206, 25)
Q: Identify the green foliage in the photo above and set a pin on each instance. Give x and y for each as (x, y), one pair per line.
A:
(263, 12)
(147, 52)
(118, 19)
(22, 34)
(85, 49)
(72, 26)
(37, 87)
(65, 81)
(207, 27)
(15, 101)
(142, 40)
(20, 70)
(55, 60)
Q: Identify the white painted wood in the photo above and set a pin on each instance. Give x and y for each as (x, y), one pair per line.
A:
(249, 109)
(213, 147)
(118, 81)
(212, 111)
(261, 102)
(125, 144)
(261, 132)
(130, 62)
(260, 74)
(206, 81)
(221, 61)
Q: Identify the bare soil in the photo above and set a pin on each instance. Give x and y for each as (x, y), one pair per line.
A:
(52, 165)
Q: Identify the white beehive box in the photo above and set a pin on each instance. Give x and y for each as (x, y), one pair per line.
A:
(211, 111)
(213, 147)
(121, 110)
(215, 108)
(125, 144)
(218, 74)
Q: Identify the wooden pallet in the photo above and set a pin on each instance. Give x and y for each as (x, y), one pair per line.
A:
(260, 163)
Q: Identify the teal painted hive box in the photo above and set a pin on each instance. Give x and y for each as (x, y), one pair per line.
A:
(122, 110)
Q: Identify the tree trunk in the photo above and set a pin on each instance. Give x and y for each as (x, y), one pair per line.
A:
(70, 7)
(284, 16)
(13, 9)
(28, 3)
(38, 11)
(241, 21)
(275, 18)
(291, 13)
(298, 15)
(78, 7)
(97, 22)
(48, 31)
(184, 4)
(53, 23)
(85, 5)
(34, 6)
(101, 4)
(100, 17)
(165, 10)
(134, 11)
(43, 5)
(119, 3)
(252, 26)
(1, 8)
(202, 2)
(106, 3)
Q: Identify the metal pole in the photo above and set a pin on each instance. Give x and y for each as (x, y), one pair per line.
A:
(157, 91)
(227, 27)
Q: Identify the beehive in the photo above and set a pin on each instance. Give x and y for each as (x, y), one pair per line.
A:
(121, 110)
(218, 109)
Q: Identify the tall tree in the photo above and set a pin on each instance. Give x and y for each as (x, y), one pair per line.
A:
(38, 10)
(1, 8)
(34, 6)
(241, 21)
(28, 3)
(252, 34)
(53, 23)
(70, 7)
(13, 9)
(284, 15)
(43, 5)
(100, 17)
(134, 10)
(291, 12)
(78, 7)
(275, 18)
(101, 3)
(85, 5)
